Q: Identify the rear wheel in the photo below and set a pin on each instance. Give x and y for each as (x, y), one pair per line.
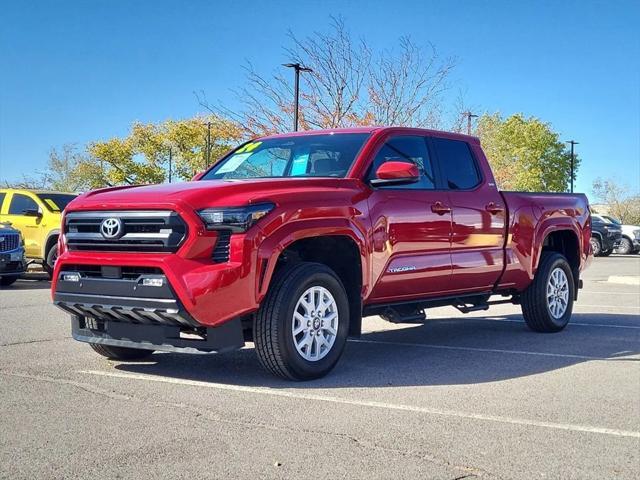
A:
(596, 246)
(301, 327)
(625, 247)
(120, 353)
(8, 280)
(548, 302)
(606, 253)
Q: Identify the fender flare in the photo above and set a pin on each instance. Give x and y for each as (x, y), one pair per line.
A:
(546, 228)
(55, 232)
(276, 242)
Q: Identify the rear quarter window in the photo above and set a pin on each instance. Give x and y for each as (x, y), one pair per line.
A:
(458, 165)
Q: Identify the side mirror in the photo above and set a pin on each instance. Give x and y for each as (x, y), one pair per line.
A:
(198, 176)
(32, 212)
(396, 173)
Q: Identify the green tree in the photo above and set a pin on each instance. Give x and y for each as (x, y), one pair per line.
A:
(525, 153)
(143, 155)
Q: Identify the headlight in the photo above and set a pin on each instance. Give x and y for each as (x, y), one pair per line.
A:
(236, 219)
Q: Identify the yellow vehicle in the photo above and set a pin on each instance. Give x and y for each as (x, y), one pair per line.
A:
(37, 214)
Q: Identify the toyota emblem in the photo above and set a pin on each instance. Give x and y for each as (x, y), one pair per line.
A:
(111, 228)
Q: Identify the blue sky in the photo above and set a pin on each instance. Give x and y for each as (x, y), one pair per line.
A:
(76, 71)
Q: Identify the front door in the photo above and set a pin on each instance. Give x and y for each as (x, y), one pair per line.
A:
(411, 228)
(22, 215)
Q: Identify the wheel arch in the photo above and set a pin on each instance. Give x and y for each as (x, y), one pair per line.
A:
(340, 246)
(51, 240)
(565, 241)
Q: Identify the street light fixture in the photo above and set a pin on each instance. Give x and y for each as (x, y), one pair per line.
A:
(572, 142)
(298, 68)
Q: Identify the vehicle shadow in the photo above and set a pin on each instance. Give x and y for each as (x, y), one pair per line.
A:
(440, 352)
(32, 281)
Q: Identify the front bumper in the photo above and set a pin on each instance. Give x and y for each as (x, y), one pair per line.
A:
(158, 337)
(136, 308)
(12, 263)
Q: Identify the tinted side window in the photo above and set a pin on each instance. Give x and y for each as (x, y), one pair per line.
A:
(458, 166)
(20, 204)
(2, 195)
(407, 149)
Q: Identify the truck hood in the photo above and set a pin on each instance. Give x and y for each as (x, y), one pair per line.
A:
(214, 193)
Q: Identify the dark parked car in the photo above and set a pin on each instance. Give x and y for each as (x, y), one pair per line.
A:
(12, 259)
(605, 236)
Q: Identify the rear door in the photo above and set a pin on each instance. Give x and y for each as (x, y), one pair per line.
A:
(411, 235)
(479, 215)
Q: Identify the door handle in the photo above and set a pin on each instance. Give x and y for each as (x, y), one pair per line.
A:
(494, 208)
(440, 208)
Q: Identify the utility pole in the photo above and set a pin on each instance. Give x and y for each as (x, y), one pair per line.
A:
(469, 116)
(208, 150)
(170, 161)
(572, 142)
(296, 89)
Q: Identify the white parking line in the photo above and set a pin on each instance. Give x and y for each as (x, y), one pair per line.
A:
(477, 349)
(608, 293)
(373, 404)
(615, 307)
(571, 324)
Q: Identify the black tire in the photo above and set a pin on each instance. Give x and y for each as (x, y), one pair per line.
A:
(535, 306)
(596, 246)
(120, 353)
(8, 280)
(272, 324)
(50, 261)
(606, 253)
(626, 247)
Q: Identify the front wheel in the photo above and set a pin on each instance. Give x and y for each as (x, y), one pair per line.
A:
(625, 247)
(548, 302)
(120, 353)
(596, 246)
(301, 327)
(50, 261)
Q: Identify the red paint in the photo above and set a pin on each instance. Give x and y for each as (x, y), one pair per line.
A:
(413, 243)
(396, 170)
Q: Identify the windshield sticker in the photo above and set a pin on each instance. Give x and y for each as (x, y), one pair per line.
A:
(299, 166)
(234, 162)
(52, 204)
(249, 147)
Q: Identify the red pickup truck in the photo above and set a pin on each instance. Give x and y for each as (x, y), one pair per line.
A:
(290, 240)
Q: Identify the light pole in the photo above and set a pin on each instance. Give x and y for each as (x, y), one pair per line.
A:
(296, 93)
(208, 143)
(572, 142)
(469, 116)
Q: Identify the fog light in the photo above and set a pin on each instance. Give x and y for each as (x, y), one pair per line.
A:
(152, 282)
(71, 277)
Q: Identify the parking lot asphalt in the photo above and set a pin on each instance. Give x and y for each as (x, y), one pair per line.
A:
(461, 396)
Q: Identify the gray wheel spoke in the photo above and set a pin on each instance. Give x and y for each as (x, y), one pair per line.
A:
(314, 332)
(557, 293)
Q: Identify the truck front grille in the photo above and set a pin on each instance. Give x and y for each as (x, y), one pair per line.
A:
(125, 231)
(9, 241)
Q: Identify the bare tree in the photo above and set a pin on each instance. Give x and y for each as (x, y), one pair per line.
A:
(349, 86)
(618, 200)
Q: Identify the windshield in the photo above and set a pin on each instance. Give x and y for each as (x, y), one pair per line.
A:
(322, 155)
(612, 219)
(56, 202)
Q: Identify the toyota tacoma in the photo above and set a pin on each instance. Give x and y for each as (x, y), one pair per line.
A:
(290, 240)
